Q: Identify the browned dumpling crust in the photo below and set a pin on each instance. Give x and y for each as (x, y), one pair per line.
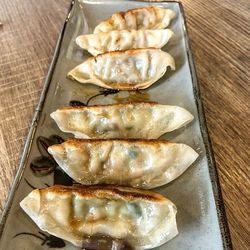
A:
(150, 17)
(144, 219)
(138, 163)
(124, 70)
(123, 40)
(126, 120)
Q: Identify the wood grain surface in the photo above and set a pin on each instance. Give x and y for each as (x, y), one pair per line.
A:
(220, 42)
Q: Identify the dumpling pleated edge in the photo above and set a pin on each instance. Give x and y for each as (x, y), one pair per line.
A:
(33, 203)
(87, 71)
(118, 40)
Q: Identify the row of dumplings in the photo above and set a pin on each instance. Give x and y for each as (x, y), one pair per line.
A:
(127, 50)
(117, 144)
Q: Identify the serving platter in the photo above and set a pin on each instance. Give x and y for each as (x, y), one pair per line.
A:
(201, 218)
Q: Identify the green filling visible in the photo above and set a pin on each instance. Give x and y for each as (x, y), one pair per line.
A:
(132, 154)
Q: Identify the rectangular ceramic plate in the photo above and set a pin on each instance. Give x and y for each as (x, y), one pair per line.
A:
(200, 218)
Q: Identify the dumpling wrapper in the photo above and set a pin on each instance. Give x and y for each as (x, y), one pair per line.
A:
(138, 163)
(126, 120)
(144, 219)
(123, 40)
(124, 70)
(149, 17)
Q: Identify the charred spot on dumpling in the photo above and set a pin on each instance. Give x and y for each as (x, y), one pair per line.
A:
(103, 242)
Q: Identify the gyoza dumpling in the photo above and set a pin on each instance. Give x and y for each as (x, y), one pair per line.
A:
(137, 163)
(144, 219)
(123, 40)
(126, 120)
(150, 17)
(125, 70)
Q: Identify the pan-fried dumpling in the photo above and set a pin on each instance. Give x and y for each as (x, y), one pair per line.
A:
(150, 17)
(144, 219)
(126, 120)
(137, 163)
(125, 70)
(123, 40)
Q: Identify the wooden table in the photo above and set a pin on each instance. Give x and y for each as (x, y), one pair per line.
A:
(219, 32)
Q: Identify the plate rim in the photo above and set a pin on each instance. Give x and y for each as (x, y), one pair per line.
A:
(213, 173)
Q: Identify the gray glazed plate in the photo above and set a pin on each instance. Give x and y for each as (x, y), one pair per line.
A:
(201, 218)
